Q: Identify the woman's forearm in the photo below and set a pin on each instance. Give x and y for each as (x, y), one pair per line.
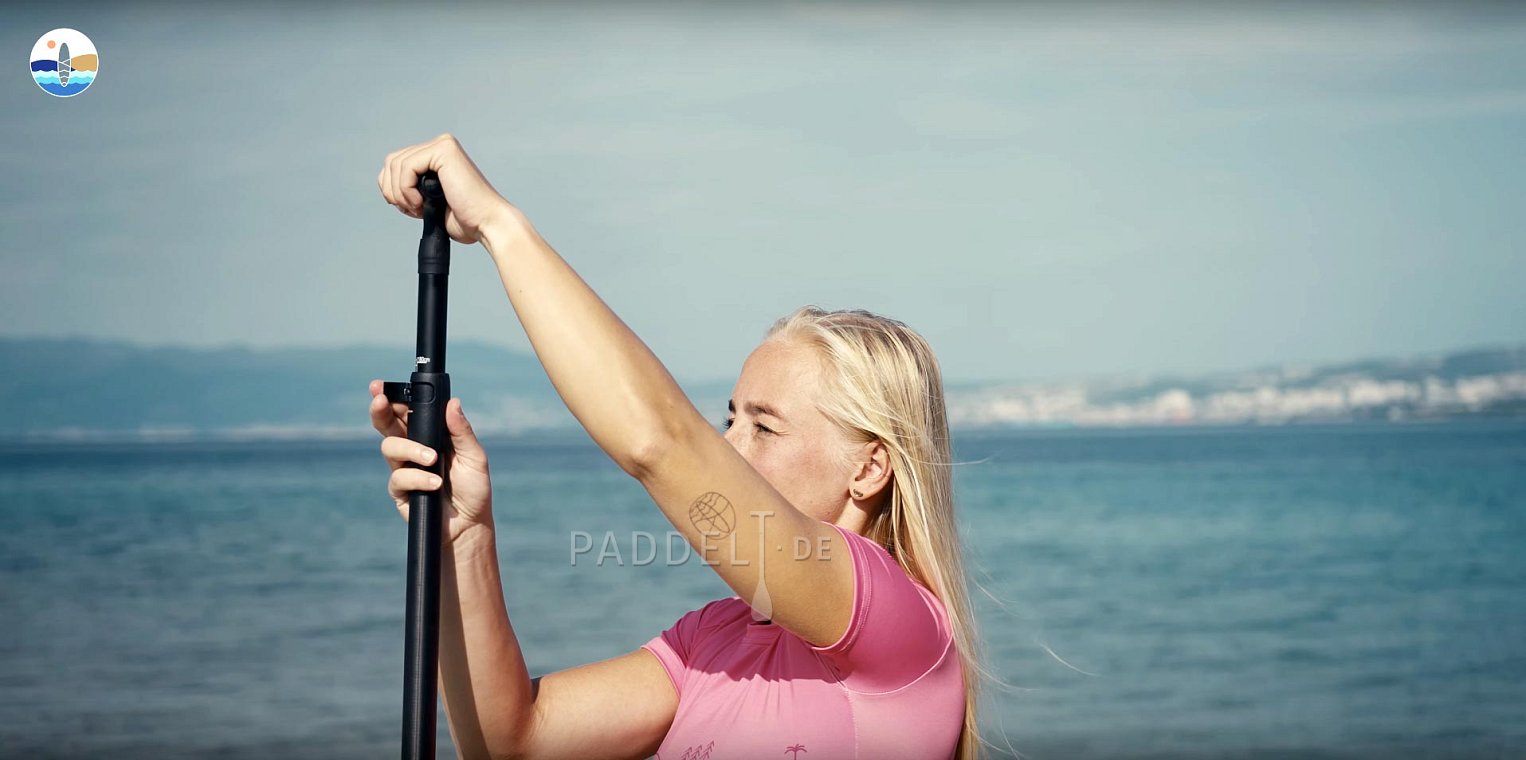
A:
(488, 696)
(631, 403)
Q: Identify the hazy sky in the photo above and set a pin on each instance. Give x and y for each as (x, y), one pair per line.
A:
(1042, 191)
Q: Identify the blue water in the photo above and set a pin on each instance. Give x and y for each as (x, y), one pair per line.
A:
(73, 88)
(48, 80)
(1252, 592)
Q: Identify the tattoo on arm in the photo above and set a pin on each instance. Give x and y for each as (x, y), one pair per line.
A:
(712, 515)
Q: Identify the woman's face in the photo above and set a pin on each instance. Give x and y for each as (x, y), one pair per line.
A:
(777, 428)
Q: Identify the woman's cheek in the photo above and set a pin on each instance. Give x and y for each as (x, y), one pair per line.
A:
(779, 471)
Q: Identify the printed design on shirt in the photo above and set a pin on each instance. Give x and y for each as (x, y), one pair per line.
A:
(698, 752)
(794, 750)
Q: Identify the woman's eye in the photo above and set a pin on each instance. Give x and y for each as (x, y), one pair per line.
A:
(732, 421)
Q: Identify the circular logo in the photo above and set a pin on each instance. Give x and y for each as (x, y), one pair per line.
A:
(713, 515)
(64, 62)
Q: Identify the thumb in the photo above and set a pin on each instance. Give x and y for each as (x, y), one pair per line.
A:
(462, 438)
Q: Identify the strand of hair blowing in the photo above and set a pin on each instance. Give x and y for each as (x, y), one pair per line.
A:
(881, 381)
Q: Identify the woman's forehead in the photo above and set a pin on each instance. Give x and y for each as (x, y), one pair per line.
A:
(779, 375)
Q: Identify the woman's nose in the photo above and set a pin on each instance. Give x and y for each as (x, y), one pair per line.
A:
(736, 440)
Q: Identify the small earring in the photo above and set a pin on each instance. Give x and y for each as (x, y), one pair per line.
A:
(857, 495)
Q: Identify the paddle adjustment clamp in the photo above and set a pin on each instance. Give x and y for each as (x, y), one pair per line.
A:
(421, 388)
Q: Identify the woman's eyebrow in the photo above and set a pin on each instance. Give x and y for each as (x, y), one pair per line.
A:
(754, 408)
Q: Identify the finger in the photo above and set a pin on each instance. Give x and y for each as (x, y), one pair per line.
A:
(394, 187)
(408, 480)
(384, 418)
(399, 408)
(394, 178)
(387, 419)
(426, 156)
(388, 191)
(463, 440)
(401, 179)
(413, 163)
(399, 451)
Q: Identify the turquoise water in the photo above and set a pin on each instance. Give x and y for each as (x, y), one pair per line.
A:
(76, 85)
(1249, 592)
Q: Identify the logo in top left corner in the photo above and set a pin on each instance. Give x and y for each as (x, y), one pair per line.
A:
(64, 62)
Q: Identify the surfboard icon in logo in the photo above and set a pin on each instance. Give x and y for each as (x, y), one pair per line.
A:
(64, 62)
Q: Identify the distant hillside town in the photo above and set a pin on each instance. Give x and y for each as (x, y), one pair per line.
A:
(1474, 383)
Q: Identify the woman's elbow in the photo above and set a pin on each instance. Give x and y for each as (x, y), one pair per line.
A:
(646, 457)
(666, 445)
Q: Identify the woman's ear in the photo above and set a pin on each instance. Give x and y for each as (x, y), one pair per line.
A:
(872, 472)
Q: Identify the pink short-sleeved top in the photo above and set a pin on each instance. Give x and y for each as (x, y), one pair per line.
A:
(891, 687)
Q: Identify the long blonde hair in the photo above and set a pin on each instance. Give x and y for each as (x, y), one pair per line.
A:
(882, 382)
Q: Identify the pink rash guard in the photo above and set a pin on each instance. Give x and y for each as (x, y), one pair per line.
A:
(890, 688)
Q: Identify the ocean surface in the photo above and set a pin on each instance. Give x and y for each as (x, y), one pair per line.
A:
(1279, 592)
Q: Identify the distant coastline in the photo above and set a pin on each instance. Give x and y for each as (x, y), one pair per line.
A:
(574, 437)
(96, 391)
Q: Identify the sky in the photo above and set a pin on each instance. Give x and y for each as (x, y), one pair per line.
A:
(1044, 191)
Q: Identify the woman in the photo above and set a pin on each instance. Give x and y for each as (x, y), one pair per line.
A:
(826, 505)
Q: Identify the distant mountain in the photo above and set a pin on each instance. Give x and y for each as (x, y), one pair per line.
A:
(86, 389)
(96, 389)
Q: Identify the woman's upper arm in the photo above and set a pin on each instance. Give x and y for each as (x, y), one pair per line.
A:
(616, 708)
(789, 566)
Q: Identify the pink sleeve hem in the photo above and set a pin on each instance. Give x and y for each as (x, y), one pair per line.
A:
(862, 593)
(671, 664)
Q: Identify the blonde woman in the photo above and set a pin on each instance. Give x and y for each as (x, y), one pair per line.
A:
(836, 450)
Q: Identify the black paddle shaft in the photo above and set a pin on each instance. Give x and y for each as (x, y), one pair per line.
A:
(426, 392)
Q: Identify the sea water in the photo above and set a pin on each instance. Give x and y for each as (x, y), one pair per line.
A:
(1334, 591)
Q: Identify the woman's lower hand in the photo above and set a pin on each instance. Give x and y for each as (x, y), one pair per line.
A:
(473, 202)
(468, 487)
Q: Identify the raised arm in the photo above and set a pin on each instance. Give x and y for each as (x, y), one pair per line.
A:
(636, 412)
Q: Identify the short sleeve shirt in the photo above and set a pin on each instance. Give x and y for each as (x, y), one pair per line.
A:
(891, 687)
